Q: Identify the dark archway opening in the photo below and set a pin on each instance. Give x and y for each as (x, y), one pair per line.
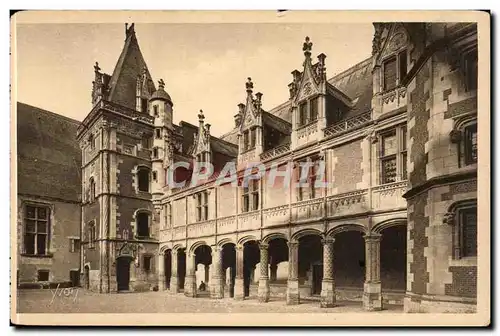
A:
(229, 268)
(311, 262)
(167, 264)
(203, 256)
(278, 254)
(393, 258)
(349, 259)
(181, 267)
(251, 257)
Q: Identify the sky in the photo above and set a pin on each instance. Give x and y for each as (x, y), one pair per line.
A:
(204, 65)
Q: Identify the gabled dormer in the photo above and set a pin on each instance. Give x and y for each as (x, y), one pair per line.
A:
(249, 121)
(392, 50)
(201, 150)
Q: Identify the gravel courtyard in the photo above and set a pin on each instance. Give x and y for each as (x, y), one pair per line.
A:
(82, 301)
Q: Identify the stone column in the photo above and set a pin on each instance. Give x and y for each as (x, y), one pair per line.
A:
(239, 287)
(328, 283)
(174, 278)
(161, 272)
(229, 283)
(273, 272)
(217, 285)
(292, 291)
(372, 294)
(190, 281)
(264, 290)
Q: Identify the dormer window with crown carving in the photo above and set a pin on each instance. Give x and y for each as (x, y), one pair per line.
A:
(394, 70)
(308, 111)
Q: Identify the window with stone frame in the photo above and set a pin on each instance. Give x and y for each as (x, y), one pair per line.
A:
(144, 105)
(155, 111)
(142, 222)
(91, 234)
(91, 142)
(155, 175)
(91, 190)
(470, 144)
(201, 206)
(158, 133)
(308, 111)
(249, 139)
(147, 263)
(155, 152)
(146, 142)
(394, 70)
(393, 155)
(307, 180)
(36, 230)
(74, 245)
(469, 69)
(168, 215)
(463, 218)
(250, 196)
(143, 182)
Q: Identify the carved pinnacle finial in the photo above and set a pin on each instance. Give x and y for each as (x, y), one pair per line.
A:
(201, 117)
(249, 85)
(307, 47)
(144, 70)
(96, 67)
(161, 84)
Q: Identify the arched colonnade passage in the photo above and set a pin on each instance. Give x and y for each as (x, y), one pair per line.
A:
(346, 256)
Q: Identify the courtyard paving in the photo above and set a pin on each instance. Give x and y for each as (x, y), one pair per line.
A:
(82, 301)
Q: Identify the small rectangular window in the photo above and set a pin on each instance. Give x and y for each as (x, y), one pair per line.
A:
(144, 105)
(155, 109)
(246, 141)
(403, 66)
(158, 133)
(470, 70)
(155, 176)
(74, 245)
(314, 106)
(390, 73)
(471, 144)
(303, 114)
(252, 137)
(147, 263)
(43, 275)
(469, 232)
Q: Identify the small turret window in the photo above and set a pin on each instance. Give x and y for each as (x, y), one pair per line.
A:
(156, 113)
(158, 133)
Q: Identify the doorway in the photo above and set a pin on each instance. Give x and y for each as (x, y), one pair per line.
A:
(123, 273)
(74, 277)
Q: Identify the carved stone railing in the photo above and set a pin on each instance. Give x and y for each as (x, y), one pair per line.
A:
(201, 229)
(226, 224)
(308, 209)
(389, 196)
(247, 156)
(348, 124)
(347, 203)
(249, 220)
(395, 96)
(276, 215)
(272, 153)
(307, 130)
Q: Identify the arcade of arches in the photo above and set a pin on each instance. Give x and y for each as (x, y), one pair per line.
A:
(310, 264)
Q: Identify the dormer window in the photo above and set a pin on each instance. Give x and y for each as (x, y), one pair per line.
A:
(394, 70)
(308, 111)
(144, 105)
(249, 139)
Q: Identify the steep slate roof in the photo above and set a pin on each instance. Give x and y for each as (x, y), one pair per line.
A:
(48, 155)
(130, 64)
(217, 145)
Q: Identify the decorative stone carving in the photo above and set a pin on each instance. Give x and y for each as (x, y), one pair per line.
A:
(449, 218)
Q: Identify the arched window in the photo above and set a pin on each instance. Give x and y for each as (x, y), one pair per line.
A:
(142, 224)
(91, 190)
(465, 136)
(92, 234)
(463, 219)
(143, 179)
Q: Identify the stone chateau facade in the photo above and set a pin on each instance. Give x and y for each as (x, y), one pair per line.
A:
(397, 223)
